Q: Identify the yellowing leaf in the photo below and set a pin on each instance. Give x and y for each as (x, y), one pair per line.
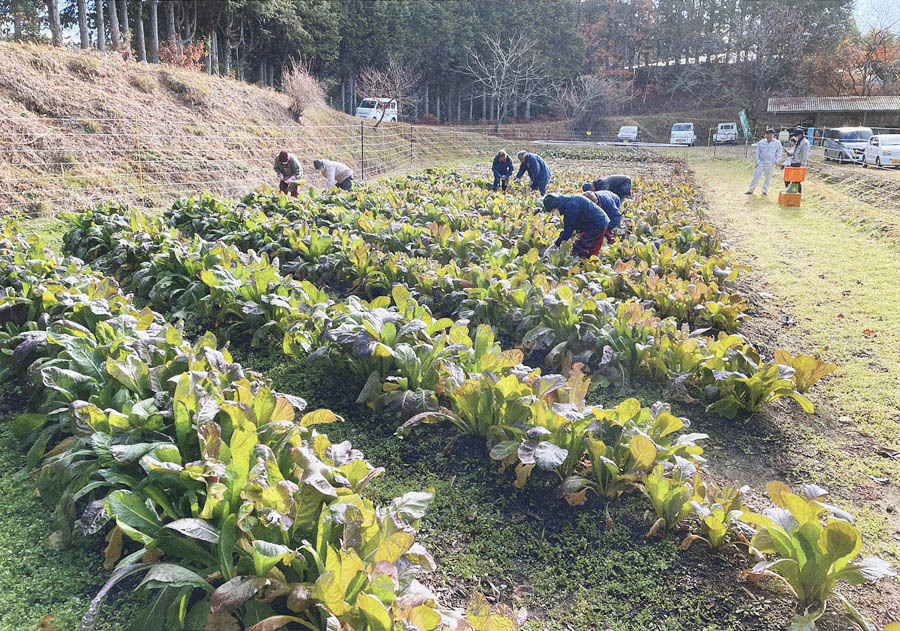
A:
(319, 417)
(113, 549)
(577, 499)
(776, 489)
(376, 613)
(425, 618)
(522, 473)
(394, 547)
(643, 451)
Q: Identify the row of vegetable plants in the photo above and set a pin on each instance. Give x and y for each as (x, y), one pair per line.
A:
(555, 309)
(236, 506)
(457, 372)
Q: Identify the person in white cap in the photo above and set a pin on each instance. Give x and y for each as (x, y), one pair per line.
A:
(337, 173)
(768, 152)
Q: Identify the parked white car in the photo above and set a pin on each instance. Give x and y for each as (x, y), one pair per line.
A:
(627, 133)
(883, 150)
(726, 133)
(683, 134)
(373, 108)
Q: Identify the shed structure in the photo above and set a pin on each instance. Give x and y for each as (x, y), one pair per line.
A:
(836, 111)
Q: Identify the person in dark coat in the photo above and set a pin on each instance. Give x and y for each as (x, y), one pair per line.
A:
(289, 171)
(582, 216)
(538, 171)
(502, 168)
(618, 184)
(612, 206)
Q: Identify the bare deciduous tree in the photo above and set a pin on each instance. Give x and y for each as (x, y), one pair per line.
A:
(509, 71)
(585, 95)
(396, 81)
(301, 87)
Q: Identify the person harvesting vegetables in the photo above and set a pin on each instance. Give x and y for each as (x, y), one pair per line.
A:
(289, 171)
(336, 173)
(618, 184)
(538, 171)
(502, 168)
(583, 216)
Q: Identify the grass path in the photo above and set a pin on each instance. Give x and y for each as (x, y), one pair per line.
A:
(837, 281)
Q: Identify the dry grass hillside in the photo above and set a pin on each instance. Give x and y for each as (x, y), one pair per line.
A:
(81, 127)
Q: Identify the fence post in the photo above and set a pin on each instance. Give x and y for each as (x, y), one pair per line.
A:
(137, 137)
(362, 151)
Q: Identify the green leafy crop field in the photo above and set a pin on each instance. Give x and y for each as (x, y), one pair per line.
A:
(388, 409)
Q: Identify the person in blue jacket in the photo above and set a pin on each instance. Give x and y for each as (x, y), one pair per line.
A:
(612, 206)
(502, 168)
(580, 215)
(537, 169)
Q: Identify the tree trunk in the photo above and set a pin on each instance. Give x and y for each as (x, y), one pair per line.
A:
(437, 106)
(227, 69)
(82, 25)
(171, 33)
(484, 106)
(471, 106)
(263, 75)
(458, 106)
(101, 27)
(426, 99)
(271, 69)
(113, 25)
(139, 27)
(343, 96)
(353, 90)
(492, 108)
(55, 27)
(123, 17)
(528, 109)
(154, 31)
(209, 55)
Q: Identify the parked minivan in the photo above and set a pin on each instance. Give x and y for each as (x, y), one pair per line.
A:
(846, 144)
(683, 134)
(373, 108)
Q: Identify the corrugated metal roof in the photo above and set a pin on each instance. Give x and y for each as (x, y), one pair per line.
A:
(834, 104)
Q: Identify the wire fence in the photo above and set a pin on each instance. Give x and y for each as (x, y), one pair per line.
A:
(49, 165)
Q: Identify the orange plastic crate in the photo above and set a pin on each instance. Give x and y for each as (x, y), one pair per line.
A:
(794, 174)
(789, 199)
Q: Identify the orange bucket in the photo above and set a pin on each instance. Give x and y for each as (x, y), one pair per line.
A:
(789, 199)
(794, 174)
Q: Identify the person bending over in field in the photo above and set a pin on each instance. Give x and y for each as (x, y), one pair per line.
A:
(289, 173)
(502, 169)
(580, 215)
(337, 173)
(538, 171)
(612, 206)
(618, 184)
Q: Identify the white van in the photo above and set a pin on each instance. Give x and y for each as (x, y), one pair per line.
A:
(627, 133)
(846, 144)
(373, 108)
(683, 134)
(726, 133)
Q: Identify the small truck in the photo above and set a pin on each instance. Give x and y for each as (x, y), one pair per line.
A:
(726, 134)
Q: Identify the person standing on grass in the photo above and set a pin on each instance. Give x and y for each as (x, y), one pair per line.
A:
(289, 173)
(538, 171)
(502, 169)
(618, 184)
(337, 173)
(582, 216)
(768, 152)
(798, 156)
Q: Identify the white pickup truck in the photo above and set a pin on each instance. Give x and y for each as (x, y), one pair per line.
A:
(683, 134)
(726, 133)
